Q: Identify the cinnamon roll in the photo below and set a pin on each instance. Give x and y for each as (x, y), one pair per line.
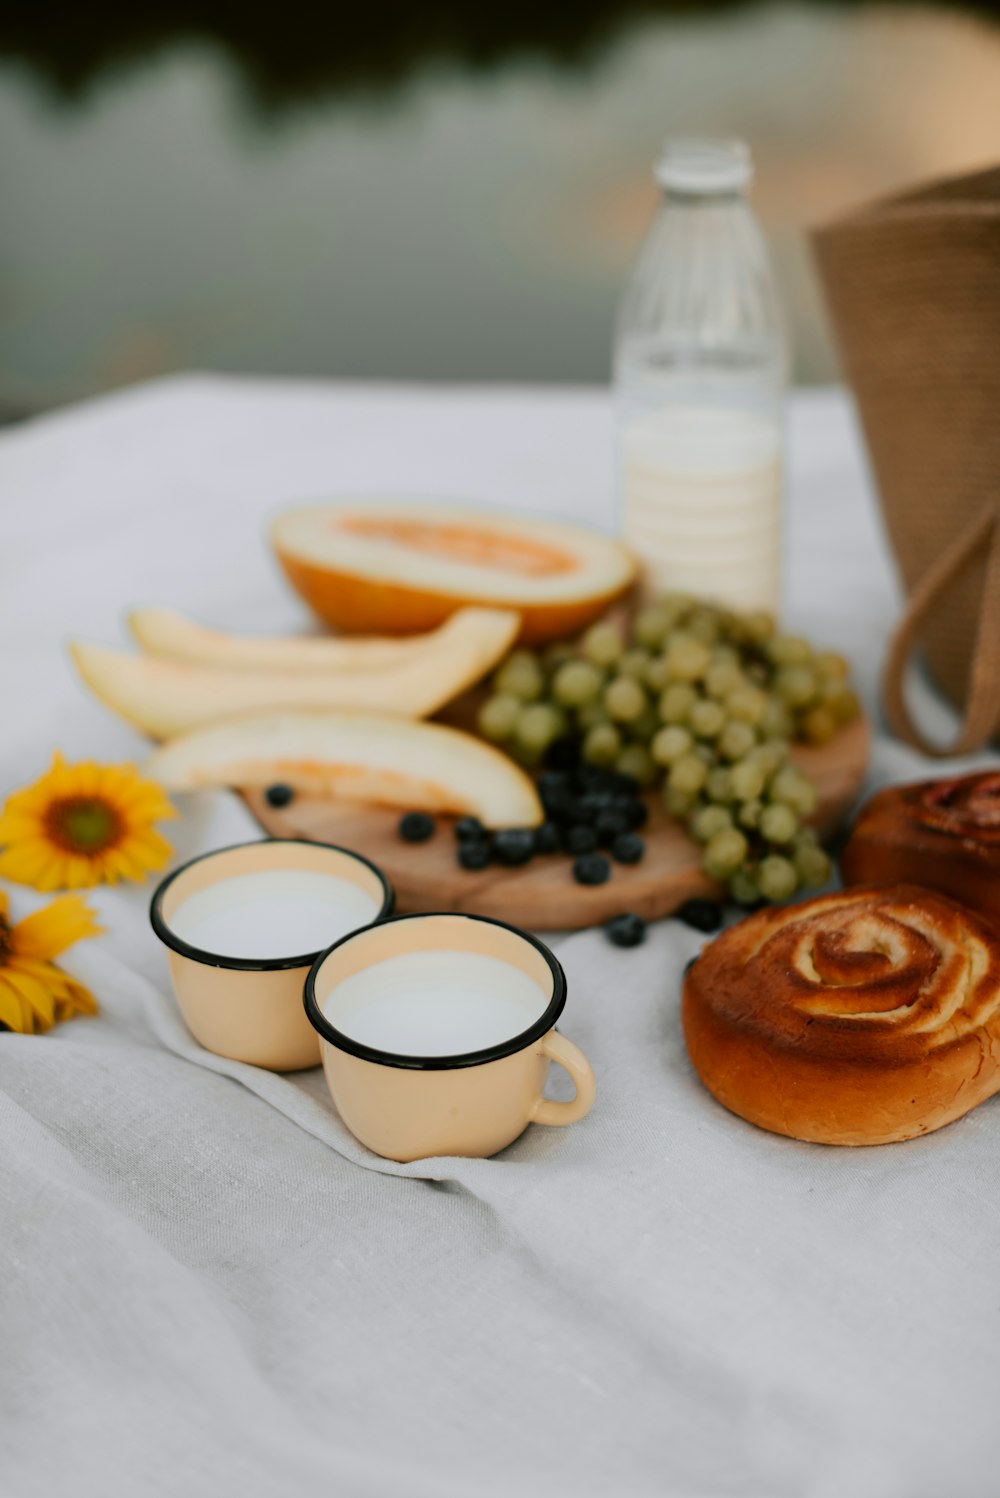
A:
(861, 1017)
(941, 833)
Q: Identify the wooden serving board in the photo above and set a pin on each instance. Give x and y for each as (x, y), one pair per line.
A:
(543, 895)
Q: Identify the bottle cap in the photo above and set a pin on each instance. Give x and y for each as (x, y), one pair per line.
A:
(704, 166)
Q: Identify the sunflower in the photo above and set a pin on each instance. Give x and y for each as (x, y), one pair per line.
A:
(81, 825)
(34, 995)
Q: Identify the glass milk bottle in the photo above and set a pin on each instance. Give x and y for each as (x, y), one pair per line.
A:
(700, 370)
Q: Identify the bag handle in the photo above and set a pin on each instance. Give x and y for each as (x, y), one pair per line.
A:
(982, 707)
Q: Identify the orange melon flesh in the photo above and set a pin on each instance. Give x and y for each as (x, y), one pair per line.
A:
(379, 567)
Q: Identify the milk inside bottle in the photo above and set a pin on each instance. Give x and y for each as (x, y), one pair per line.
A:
(700, 367)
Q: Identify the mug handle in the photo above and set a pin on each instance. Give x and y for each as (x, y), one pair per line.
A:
(571, 1059)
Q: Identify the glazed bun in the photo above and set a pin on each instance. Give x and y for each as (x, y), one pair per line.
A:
(861, 1017)
(941, 833)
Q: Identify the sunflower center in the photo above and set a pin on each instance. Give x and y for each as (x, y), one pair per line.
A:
(83, 824)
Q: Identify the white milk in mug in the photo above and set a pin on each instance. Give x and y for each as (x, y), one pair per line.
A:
(435, 1003)
(273, 913)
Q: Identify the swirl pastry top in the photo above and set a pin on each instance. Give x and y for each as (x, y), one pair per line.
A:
(968, 807)
(861, 1017)
(941, 833)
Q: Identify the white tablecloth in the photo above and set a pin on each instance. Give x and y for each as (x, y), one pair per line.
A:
(208, 1288)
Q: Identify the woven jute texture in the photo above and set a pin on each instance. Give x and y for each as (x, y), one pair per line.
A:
(913, 285)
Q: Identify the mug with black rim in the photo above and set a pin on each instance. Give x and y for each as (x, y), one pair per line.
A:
(249, 1008)
(437, 1032)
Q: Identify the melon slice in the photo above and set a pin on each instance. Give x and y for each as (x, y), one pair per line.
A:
(357, 757)
(379, 567)
(166, 632)
(165, 697)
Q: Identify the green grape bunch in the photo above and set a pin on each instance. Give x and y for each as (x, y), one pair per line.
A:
(703, 703)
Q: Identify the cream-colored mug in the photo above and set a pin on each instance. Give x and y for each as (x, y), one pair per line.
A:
(249, 1007)
(437, 1032)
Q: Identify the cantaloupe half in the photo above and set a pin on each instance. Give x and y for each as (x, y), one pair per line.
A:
(358, 757)
(166, 697)
(167, 633)
(378, 567)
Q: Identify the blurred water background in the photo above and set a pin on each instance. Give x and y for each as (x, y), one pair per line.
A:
(433, 192)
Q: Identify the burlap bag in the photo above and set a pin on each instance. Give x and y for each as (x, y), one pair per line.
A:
(913, 284)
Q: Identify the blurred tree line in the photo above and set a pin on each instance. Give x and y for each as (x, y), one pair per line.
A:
(300, 49)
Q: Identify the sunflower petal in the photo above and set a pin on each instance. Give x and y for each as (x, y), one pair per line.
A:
(85, 777)
(43, 871)
(37, 968)
(50, 931)
(81, 872)
(18, 808)
(149, 802)
(30, 862)
(54, 876)
(14, 1012)
(148, 849)
(76, 1000)
(59, 779)
(15, 824)
(69, 997)
(116, 864)
(34, 993)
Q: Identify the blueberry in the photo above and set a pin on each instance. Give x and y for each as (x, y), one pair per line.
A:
(469, 827)
(637, 813)
(626, 930)
(628, 847)
(474, 853)
(416, 827)
(279, 795)
(703, 915)
(580, 839)
(591, 804)
(514, 845)
(591, 868)
(547, 838)
(609, 825)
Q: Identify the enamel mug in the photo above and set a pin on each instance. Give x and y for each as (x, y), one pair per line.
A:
(249, 1008)
(411, 975)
